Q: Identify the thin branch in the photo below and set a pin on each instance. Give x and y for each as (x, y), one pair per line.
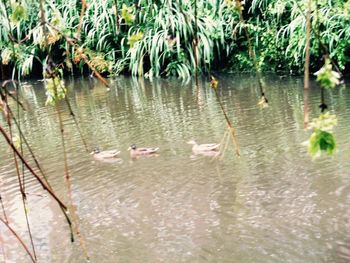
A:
(82, 13)
(251, 50)
(67, 176)
(2, 71)
(116, 15)
(51, 74)
(19, 239)
(15, 98)
(20, 136)
(307, 66)
(42, 183)
(323, 106)
(307, 47)
(76, 123)
(231, 128)
(318, 35)
(3, 209)
(25, 141)
(63, 209)
(20, 182)
(196, 41)
(2, 247)
(214, 85)
(8, 120)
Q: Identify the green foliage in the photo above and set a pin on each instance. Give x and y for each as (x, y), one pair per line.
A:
(156, 38)
(322, 138)
(325, 122)
(321, 141)
(287, 19)
(134, 38)
(19, 13)
(127, 15)
(55, 90)
(327, 78)
(6, 55)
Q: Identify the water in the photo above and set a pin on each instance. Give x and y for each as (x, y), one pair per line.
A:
(274, 204)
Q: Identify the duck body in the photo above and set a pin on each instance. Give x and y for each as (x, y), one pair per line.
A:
(208, 149)
(139, 151)
(102, 155)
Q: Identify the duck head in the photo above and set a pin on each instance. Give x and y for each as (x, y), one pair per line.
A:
(95, 150)
(132, 147)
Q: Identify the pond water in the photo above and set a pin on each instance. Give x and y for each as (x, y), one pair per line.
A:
(273, 204)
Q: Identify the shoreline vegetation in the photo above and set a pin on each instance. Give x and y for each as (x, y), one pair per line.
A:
(162, 38)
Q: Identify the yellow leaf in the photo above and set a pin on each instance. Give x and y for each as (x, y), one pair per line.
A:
(214, 82)
(263, 102)
(134, 38)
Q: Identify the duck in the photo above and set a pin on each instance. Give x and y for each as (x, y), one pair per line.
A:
(139, 151)
(103, 155)
(207, 149)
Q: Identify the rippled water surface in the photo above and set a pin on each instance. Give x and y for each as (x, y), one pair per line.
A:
(274, 204)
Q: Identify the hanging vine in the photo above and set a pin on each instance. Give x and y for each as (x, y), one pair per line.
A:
(20, 176)
(307, 65)
(263, 101)
(20, 240)
(322, 138)
(214, 85)
(56, 91)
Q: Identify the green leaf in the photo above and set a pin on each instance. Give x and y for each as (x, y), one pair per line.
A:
(19, 13)
(327, 78)
(321, 141)
(324, 122)
(134, 38)
(55, 90)
(127, 15)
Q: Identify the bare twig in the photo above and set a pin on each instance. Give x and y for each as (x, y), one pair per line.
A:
(82, 13)
(307, 47)
(67, 178)
(19, 239)
(2, 71)
(20, 181)
(196, 41)
(232, 131)
(307, 66)
(63, 209)
(51, 74)
(2, 247)
(42, 183)
(8, 120)
(76, 122)
(251, 50)
(8, 93)
(116, 15)
(3, 209)
(318, 35)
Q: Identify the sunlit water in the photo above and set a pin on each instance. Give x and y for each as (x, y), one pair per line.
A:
(274, 204)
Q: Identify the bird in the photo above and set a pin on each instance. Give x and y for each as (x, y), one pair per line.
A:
(103, 155)
(138, 151)
(208, 149)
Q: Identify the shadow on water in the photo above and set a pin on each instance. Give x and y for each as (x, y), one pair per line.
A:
(274, 204)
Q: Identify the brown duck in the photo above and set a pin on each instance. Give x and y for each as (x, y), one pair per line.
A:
(139, 151)
(104, 155)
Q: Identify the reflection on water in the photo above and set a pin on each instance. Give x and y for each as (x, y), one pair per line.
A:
(274, 204)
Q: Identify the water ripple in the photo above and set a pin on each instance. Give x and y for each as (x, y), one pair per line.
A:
(274, 204)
